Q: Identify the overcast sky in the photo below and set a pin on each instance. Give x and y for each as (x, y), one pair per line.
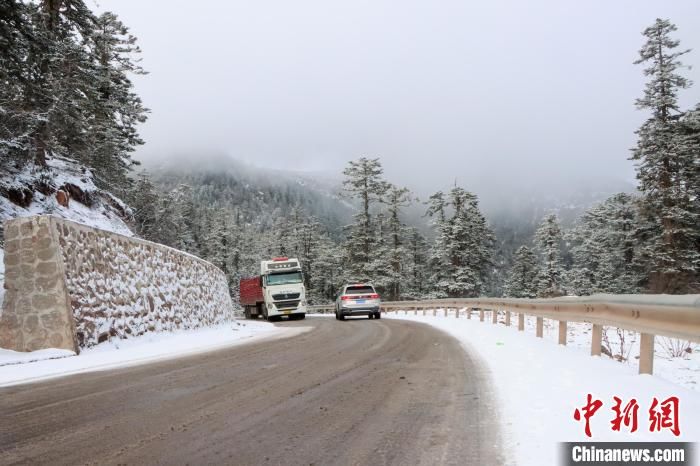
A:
(486, 92)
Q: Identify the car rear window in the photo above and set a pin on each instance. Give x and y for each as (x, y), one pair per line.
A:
(359, 290)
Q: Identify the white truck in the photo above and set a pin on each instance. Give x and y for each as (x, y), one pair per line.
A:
(278, 291)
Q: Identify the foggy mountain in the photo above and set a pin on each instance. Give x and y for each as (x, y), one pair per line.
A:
(319, 193)
(223, 182)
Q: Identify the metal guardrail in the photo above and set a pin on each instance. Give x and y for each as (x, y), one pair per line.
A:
(674, 316)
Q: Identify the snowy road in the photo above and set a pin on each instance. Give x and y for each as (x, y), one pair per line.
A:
(354, 392)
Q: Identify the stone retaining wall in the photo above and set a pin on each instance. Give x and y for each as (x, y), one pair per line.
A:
(71, 286)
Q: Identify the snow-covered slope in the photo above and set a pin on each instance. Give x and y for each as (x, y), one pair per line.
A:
(539, 384)
(33, 191)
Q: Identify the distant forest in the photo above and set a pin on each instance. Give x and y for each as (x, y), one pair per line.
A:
(66, 91)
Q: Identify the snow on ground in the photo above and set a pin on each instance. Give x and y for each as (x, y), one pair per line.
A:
(9, 357)
(539, 384)
(623, 346)
(61, 171)
(147, 348)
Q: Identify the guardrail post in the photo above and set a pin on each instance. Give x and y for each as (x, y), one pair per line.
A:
(481, 315)
(540, 327)
(446, 309)
(457, 313)
(507, 318)
(434, 312)
(562, 332)
(415, 311)
(494, 316)
(469, 312)
(596, 339)
(423, 311)
(646, 354)
(521, 321)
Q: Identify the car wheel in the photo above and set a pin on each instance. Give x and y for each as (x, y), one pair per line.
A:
(341, 317)
(370, 315)
(378, 315)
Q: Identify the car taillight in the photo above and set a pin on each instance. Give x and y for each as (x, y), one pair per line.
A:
(345, 298)
(374, 296)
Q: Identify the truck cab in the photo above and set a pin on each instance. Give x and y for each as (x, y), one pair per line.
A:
(283, 288)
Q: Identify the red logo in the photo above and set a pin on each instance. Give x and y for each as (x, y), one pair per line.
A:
(662, 415)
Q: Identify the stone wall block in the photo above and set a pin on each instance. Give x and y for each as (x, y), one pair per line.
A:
(11, 246)
(11, 231)
(47, 268)
(76, 286)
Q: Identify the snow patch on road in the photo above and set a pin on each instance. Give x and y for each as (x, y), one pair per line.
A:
(16, 368)
(539, 384)
(9, 357)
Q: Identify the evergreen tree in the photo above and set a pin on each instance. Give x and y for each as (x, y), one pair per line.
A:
(115, 109)
(669, 219)
(469, 245)
(549, 241)
(416, 274)
(438, 260)
(396, 199)
(380, 262)
(364, 182)
(461, 253)
(604, 249)
(524, 275)
(16, 116)
(65, 88)
(143, 200)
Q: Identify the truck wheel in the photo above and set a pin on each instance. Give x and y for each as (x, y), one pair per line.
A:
(378, 315)
(370, 316)
(301, 316)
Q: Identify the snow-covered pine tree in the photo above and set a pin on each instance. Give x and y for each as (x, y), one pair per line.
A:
(524, 275)
(668, 228)
(364, 182)
(416, 273)
(224, 248)
(438, 259)
(17, 117)
(689, 202)
(65, 88)
(469, 245)
(380, 260)
(549, 242)
(143, 200)
(396, 199)
(604, 249)
(327, 274)
(115, 109)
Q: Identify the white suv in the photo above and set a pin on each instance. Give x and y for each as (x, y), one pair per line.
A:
(359, 299)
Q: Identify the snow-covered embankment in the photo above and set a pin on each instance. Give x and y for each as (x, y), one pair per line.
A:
(19, 368)
(538, 385)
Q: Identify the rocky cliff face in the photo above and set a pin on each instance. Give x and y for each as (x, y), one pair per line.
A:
(65, 189)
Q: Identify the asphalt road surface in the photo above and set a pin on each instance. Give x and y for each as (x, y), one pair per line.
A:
(355, 392)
